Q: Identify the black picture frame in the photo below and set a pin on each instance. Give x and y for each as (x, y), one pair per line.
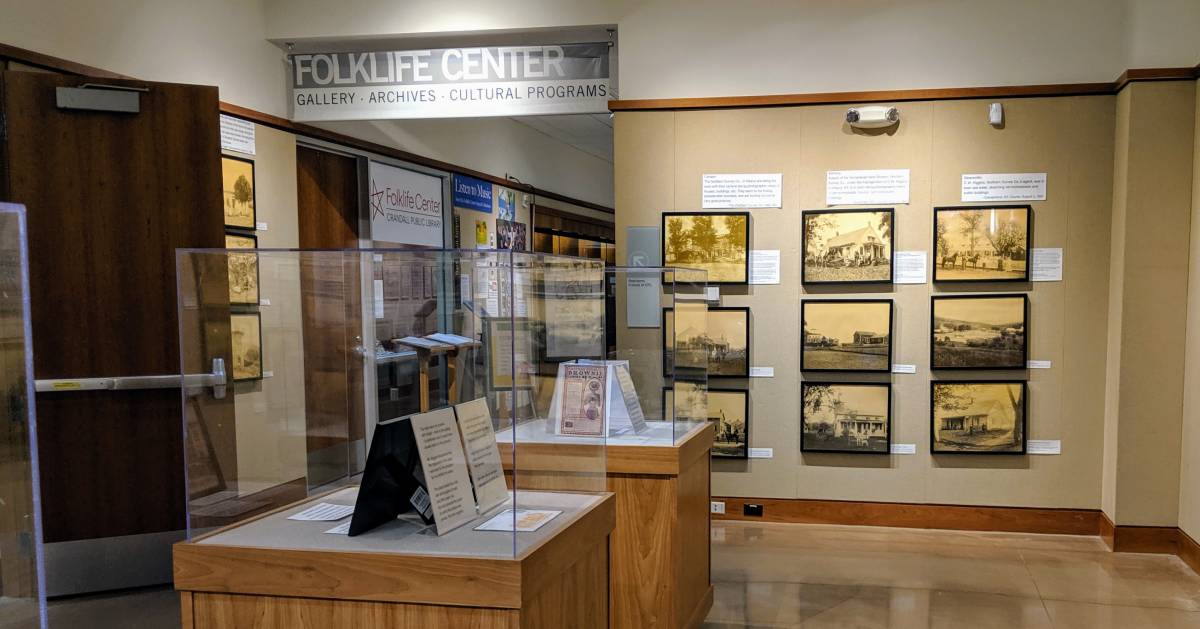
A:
(807, 384)
(701, 266)
(253, 195)
(804, 267)
(261, 352)
(240, 305)
(933, 302)
(937, 261)
(933, 430)
(804, 362)
(745, 394)
(745, 373)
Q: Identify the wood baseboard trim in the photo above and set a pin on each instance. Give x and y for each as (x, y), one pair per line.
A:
(1189, 551)
(1108, 531)
(1162, 540)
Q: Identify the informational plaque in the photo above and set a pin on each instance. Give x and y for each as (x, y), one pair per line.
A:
(237, 135)
(910, 267)
(631, 414)
(581, 410)
(642, 289)
(1003, 187)
(1046, 265)
(764, 266)
(483, 456)
(445, 468)
(741, 191)
(866, 187)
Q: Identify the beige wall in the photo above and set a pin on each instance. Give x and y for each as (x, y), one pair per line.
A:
(660, 157)
(1189, 477)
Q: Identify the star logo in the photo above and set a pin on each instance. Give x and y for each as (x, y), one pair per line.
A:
(376, 200)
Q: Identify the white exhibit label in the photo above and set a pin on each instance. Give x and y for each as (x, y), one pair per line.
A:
(762, 372)
(902, 368)
(406, 206)
(904, 448)
(643, 289)
(445, 468)
(323, 512)
(1046, 265)
(741, 190)
(264, 302)
(1038, 364)
(910, 267)
(761, 453)
(483, 455)
(262, 227)
(378, 291)
(341, 529)
(1044, 446)
(1003, 187)
(865, 187)
(712, 293)
(764, 266)
(237, 135)
(520, 520)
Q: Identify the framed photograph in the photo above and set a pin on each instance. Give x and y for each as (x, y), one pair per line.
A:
(685, 402)
(977, 417)
(979, 331)
(243, 270)
(847, 246)
(511, 235)
(237, 187)
(245, 331)
(724, 339)
(846, 335)
(685, 340)
(981, 243)
(851, 417)
(729, 410)
(716, 242)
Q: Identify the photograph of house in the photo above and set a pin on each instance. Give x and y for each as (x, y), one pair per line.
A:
(978, 417)
(729, 410)
(846, 335)
(685, 340)
(981, 244)
(845, 417)
(718, 243)
(847, 246)
(984, 332)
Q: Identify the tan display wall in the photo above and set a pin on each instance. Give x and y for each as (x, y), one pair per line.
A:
(1189, 477)
(660, 157)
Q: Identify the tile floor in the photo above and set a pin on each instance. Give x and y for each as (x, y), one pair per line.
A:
(819, 577)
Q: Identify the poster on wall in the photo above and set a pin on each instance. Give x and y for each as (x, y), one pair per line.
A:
(406, 206)
(471, 193)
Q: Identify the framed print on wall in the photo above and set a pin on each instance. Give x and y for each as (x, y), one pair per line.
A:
(729, 410)
(979, 331)
(977, 417)
(237, 191)
(716, 242)
(981, 243)
(847, 246)
(846, 335)
(847, 417)
(245, 330)
(724, 340)
(243, 270)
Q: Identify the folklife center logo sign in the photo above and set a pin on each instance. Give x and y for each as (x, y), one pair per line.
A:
(406, 206)
(451, 82)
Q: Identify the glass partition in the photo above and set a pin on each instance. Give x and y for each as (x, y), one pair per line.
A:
(22, 591)
(353, 360)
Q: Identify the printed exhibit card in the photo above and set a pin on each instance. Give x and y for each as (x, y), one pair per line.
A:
(581, 410)
(520, 520)
(445, 467)
(483, 455)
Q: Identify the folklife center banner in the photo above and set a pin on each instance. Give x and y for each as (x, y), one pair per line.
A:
(451, 82)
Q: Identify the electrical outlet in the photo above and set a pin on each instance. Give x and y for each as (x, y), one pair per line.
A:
(716, 507)
(752, 510)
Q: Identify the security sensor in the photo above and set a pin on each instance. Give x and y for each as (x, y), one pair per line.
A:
(996, 114)
(873, 117)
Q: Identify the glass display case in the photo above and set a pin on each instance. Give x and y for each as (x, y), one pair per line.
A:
(22, 587)
(393, 383)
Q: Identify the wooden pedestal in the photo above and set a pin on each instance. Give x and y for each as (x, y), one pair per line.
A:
(660, 570)
(559, 581)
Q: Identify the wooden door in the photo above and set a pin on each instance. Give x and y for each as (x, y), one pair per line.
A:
(110, 196)
(327, 212)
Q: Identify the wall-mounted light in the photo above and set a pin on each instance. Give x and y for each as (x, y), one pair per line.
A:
(873, 117)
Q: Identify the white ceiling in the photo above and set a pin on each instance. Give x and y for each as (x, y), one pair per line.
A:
(590, 133)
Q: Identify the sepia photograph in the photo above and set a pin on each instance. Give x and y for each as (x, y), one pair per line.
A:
(981, 244)
(245, 330)
(846, 335)
(715, 242)
(685, 402)
(724, 340)
(847, 246)
(978, 332)
(981, 417)
(685, 340)
(243, 270)
(728, 409)
(237, 177)
(853, 417)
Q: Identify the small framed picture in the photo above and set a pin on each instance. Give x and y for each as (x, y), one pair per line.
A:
(850, 417)
(979, 331)
(981, 243)
(685, 401)
(245, 330)
(237, 184)
(847, 246)
(978, 417)
(716, 242)
(846, 335)
(727, 409)
(243, 270)
(724, 339)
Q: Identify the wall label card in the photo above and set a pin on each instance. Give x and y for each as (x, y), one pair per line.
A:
(712, 293)
(323, 512)
(761, 453)
(1038, 364)
(406, 206)
(901, 368)
(764, 266)
(262, 227)
(1046, 265)
(904, 448)
(237, 135)
(445, 466)
(762, 372)
(1044, 446)
(483, 455)
(866, 187)
(1003, 187)
(910, 267)
(741, 191)
(520, 520)
(642, 289)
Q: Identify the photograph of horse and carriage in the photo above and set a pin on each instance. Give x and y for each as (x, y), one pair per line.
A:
(981, 244)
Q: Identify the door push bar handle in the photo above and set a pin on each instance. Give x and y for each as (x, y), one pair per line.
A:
(217, 380)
